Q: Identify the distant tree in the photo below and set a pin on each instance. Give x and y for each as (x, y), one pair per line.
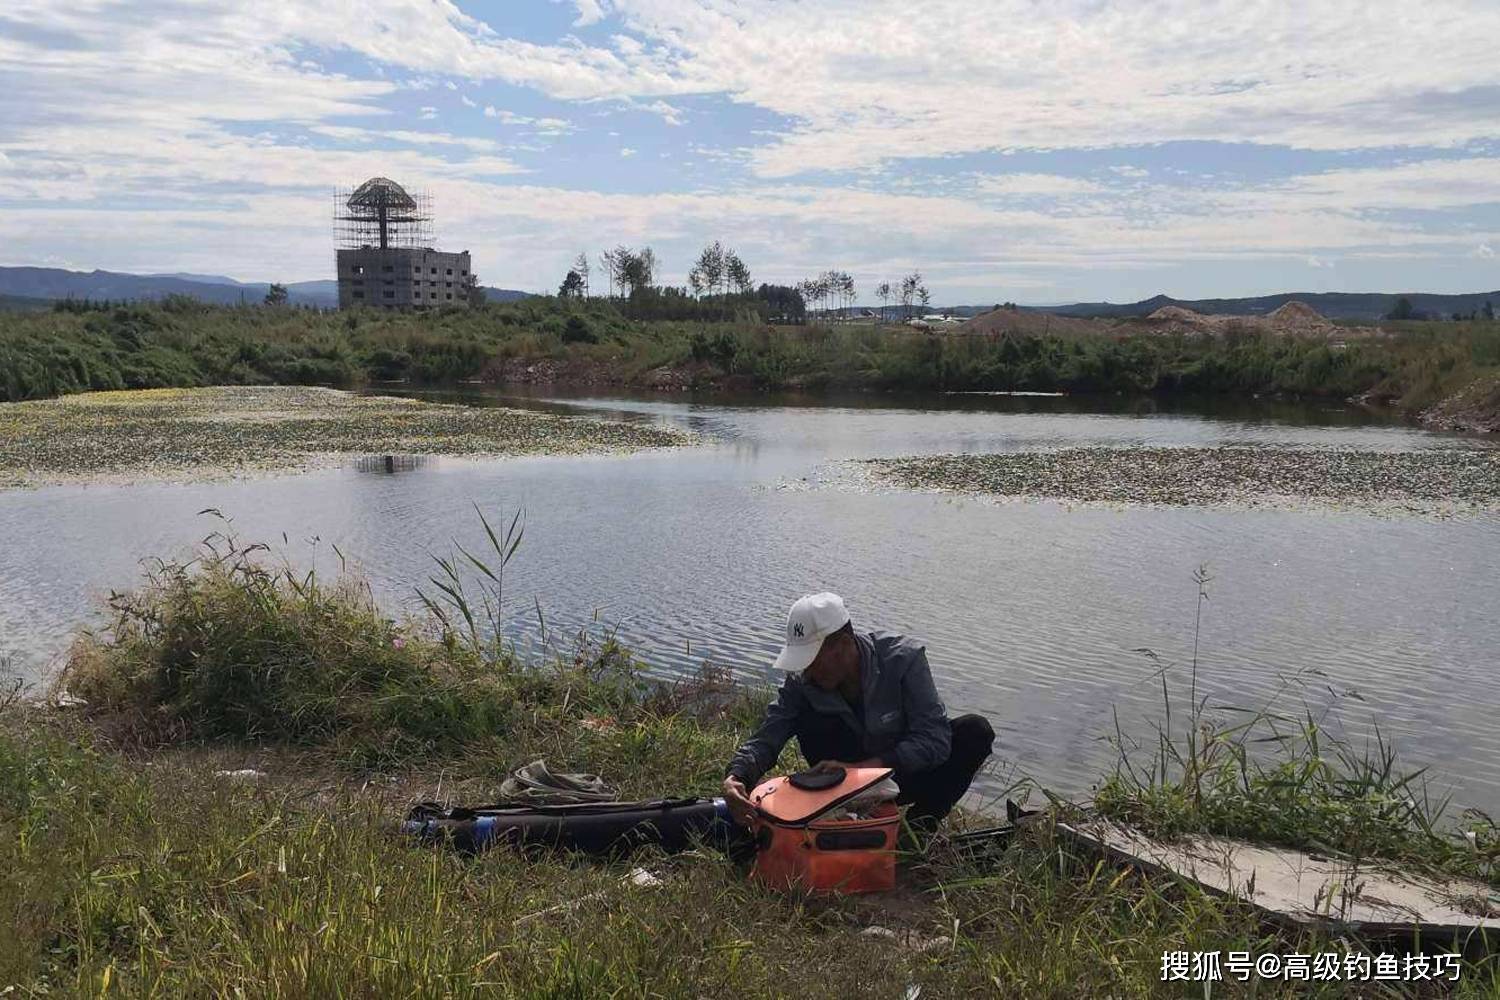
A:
(581, 265)
(637, 270)
(571, 287)
(909, 286)
(709, 271)
(617, 262)
(736, 274)
(1488, 312)
(607, 261)
(883, 293)
(472, 290)
(277, 295)
(924, 297)
(1402, 310)
(782, 303)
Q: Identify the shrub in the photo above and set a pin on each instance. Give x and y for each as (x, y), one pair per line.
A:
(578, 331)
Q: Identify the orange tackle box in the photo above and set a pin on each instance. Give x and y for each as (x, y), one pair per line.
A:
(804, 838)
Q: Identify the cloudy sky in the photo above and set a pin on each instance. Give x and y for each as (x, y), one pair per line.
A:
(1036, 151)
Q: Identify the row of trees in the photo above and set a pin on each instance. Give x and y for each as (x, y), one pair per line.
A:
(834, 289)
(720, 280)
(904, 294)
(1405, 310)
(719, 271)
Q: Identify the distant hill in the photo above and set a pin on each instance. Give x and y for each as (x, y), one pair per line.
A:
(51, 283)
(1365, 306)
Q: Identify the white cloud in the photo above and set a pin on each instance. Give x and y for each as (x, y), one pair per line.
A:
(429, 113)
(1067, 75)
(588, 11)
(669, 114)
(626, 151)
(209, 110)
(543, 126)
(468, 101)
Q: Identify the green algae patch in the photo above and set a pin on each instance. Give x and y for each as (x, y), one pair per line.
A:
(175, 434)
(1436, 480)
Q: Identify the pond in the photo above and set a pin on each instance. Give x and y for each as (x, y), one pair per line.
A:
(1034, 613)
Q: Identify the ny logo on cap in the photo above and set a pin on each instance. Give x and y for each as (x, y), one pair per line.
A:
(797, 630)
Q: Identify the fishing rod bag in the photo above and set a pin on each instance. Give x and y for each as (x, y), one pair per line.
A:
(832, 830)
(591, 828)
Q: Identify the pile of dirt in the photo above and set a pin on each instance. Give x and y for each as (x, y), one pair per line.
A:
(1474, 408)
(1299, 317)
(1293, 319)
(1177, 314)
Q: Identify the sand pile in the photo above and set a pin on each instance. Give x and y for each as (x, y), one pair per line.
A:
(1176, 314)
(1292, 319)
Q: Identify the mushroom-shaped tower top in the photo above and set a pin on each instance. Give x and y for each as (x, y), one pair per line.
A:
(381, 192)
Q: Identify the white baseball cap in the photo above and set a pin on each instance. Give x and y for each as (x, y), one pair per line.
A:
(812, 619)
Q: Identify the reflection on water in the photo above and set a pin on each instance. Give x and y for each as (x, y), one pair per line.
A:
(390, 464)
(1032, 612)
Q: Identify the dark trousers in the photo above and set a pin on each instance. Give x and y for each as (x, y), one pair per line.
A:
(931, 794)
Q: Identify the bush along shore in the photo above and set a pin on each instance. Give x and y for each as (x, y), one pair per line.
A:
(136, 859)
(231, 430)
(1447, 372)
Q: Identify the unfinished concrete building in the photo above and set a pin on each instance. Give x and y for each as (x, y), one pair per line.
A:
(385, 254)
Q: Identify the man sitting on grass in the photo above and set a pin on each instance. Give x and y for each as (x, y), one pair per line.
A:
(862, 699)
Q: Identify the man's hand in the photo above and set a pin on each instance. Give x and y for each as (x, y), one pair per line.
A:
(738, 800)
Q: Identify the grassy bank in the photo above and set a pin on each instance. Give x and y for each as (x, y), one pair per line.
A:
(185, 344)
(128, 867)
(170, 433)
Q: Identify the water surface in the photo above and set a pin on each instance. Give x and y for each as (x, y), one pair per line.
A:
(1033, 613)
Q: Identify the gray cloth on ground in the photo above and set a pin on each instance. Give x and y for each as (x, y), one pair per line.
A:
(538, 785)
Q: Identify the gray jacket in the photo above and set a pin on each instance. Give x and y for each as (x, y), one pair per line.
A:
(905, 724)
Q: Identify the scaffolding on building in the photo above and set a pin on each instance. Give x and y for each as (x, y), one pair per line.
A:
(382, 214)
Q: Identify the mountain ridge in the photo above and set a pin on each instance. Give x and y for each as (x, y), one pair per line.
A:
(52, 283)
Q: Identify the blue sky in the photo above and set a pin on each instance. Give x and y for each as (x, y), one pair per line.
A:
(1006, 150)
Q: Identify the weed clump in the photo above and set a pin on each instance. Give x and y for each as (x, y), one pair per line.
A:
(1279, 777)
(226, 646)
(232, 646)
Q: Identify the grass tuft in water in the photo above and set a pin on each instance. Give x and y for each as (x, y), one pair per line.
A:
(1290, 778)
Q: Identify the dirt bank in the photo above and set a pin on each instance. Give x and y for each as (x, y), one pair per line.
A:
(1475, 408)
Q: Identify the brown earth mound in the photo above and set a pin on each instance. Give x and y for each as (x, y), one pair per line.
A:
(1178, 314)
(1293, 319)
(1298, 317)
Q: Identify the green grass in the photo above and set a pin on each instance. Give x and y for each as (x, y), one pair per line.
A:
(181, 343)
(128, 869)
(129, 881)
